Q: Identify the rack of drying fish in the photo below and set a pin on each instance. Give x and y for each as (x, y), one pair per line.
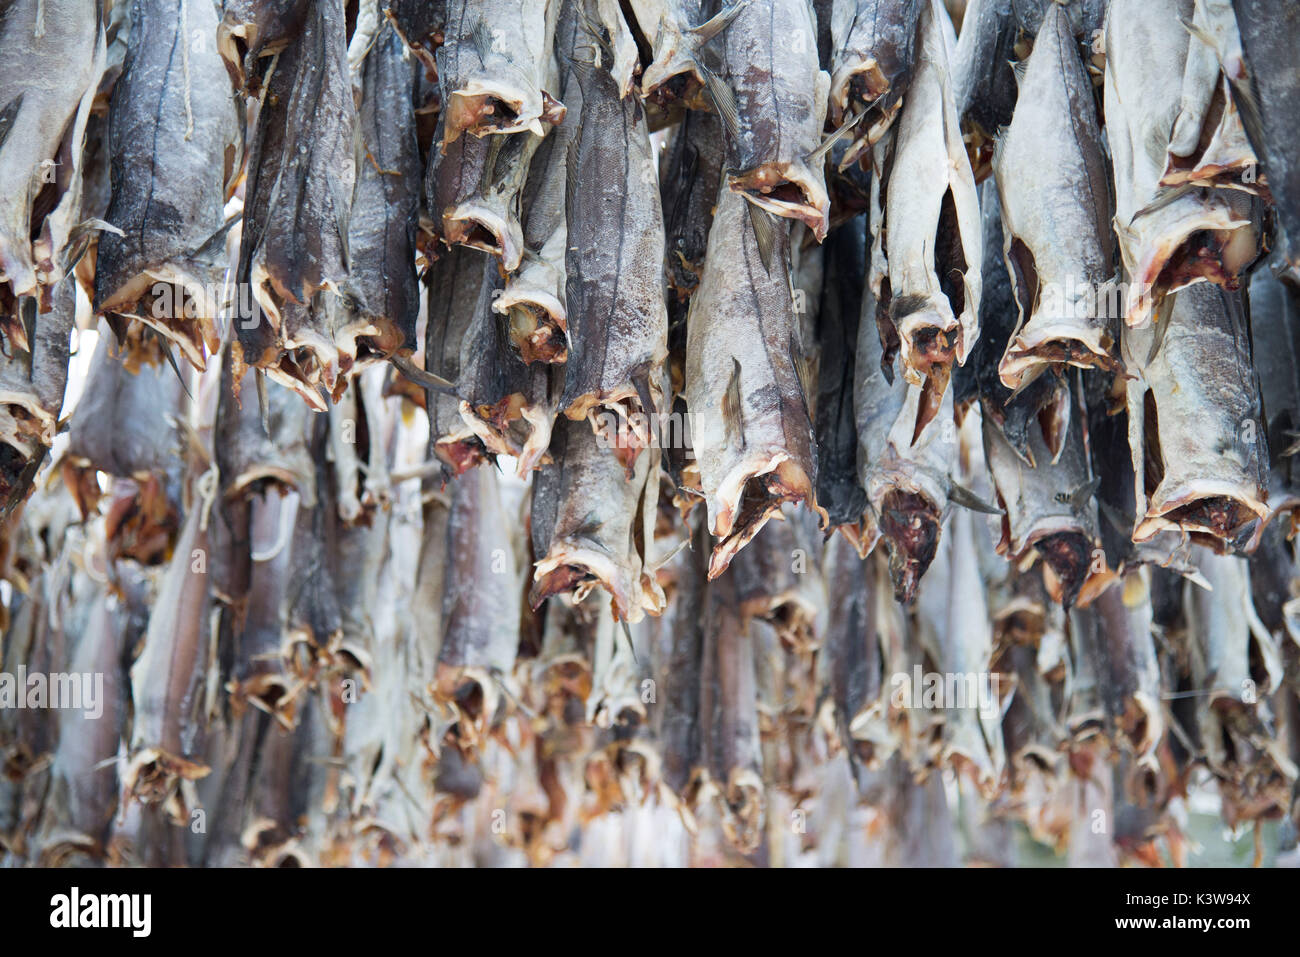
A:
(658, 431)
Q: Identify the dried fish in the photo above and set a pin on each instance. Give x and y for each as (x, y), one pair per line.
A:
(875, 50)
(455, 281)
(1055, 193)
(750, 425)
(769, 63)
(931, 230)
(175, 142)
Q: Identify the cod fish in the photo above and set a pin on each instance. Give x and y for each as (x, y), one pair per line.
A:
(1275, 348)
(1049, 505)
(32, 384)
(55, 57)
(1050, 166)
(480, 626)
(904, 472)
(617, 314)
(1195, 435)
(493, 68)
(170, 678)
(1269, 35)
(931, 230)
(454, 281)
(984, 84)
(750, 426)
(252, 458)
(510, 406)
(678, 31)
(1169, 236)
(593, 525)
(175, 141)
(875, 51)
(678, 717)
(385, 205)
(302, 171)
(769, 63)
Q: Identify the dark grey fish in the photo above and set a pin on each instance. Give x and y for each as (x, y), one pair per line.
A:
(174, 137)
(454, 281)
(253, 29)
(875, 48)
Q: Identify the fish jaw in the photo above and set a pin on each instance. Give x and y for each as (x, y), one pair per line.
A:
(910, 525)
(572, 566)
(788, 189)
(749, 494)
(485, 106)
(538, 318)
(1211, 506)
(1047, 343)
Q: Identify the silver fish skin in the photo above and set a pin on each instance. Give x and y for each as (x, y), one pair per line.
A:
(932, 230)
(175, 139)
(594, 525)
(1275, 349)
(750, 425)
(618, 316)
(984, 85)
(1054, 189)
(769, 58)
(493, 68)
(43, 115)
(1207, 457)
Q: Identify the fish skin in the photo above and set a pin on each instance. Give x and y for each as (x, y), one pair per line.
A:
(1129, 668)
(838, 490)
(875, 50)
(593, 525)
(302, 173)
(422, 24)
(1269, 36)
(385, 206)
(679, 718)
(905, 473)
(251, 30)
(1212, 467)
(508, 405)
(32, 385)
(927, 237)
(1167, 238)
(47, 112)
(250, 459)
(168, 202)
(742, 318)
(1054, 188)
(614, 294)
(782, 108)
(168, 678)
(1065, 533)
(492, 67)
(675, 75)
(1275, 349)
(454, 282)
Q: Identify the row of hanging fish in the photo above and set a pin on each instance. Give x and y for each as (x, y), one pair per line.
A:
(661, 432)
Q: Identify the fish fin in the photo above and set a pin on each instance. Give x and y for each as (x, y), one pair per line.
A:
(802, 370)
(1163, 319)
(711, 27)
(1164, 199)
(481, 40)
(627, 633)
(733, 415)
(724, 101)
(8, 115)
(1018, 68)
(420, 377)
(27, 316)
(764, 234)
(835, 137)
(1080, 496)
(166, 348)
(960, 495)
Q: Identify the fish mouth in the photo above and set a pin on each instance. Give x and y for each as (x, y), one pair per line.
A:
(1220, 510)
(576, 568)
(512, 427)
(482, 107)
(192, 327)
(674, 80)
(788, 190)
(538, 324)
(270, 693)
(862, 83)
(153, 775)
(479, 226)
(910, 525)
(633, 422)
(460, 452)
(749, 496)
(473, 695)
(1053, 345)
(744, 812)
(1069, 556)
